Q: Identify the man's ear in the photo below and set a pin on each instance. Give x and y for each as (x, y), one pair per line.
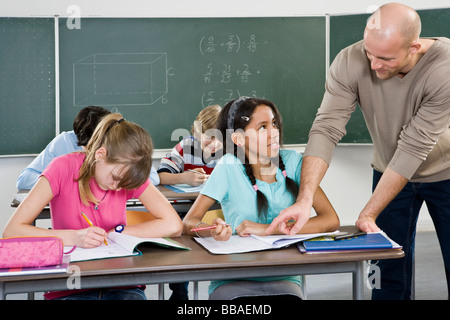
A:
(238, 139)
(415, 47)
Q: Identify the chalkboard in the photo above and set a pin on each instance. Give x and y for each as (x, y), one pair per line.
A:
(161, 72)
(348, 29)
(27, 84)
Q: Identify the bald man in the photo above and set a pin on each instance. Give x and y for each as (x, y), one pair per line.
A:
(401, 82)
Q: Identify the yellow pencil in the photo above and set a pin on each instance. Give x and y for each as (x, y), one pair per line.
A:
(90, 223)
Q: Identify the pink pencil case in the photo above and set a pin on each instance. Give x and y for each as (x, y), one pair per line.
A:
(25, 252)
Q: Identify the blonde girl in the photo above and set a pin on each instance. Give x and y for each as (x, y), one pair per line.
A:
(98, 182)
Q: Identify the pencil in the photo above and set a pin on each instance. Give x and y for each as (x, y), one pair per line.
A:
(195, 171)
(206, 228)
(90, 224)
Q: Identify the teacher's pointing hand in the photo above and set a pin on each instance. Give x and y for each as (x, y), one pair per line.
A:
(292, 219)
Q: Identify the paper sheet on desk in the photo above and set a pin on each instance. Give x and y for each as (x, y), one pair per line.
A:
(179, 188)
(238, 244)
(280, 241)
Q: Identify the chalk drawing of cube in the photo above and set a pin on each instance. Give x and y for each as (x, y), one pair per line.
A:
(116, 79)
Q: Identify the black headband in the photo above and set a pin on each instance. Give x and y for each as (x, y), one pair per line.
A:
(233, 109)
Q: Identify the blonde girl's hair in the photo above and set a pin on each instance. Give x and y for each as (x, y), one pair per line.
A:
(127, 144)
(206, 120)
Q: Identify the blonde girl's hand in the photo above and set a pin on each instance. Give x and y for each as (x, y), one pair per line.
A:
(90, 237)
(222, 232)
(248, 227)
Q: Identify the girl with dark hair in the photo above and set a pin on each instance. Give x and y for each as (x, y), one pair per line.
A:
(253, 182)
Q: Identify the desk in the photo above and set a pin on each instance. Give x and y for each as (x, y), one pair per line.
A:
(159, 265)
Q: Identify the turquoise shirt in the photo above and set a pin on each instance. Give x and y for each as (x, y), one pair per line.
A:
(231, 187)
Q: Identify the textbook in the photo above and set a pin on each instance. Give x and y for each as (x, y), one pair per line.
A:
(121, 245)
(60, 268)
(370, 241)
(238, 244)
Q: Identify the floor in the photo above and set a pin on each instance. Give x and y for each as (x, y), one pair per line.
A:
(430, 278)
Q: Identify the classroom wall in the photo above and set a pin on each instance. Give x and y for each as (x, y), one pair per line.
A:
(347, 182)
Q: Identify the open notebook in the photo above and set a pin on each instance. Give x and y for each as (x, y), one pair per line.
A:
(121, 245)
(238, 244)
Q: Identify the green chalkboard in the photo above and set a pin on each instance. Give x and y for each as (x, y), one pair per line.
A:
(27, 84)
(348, 29)
(161, 72)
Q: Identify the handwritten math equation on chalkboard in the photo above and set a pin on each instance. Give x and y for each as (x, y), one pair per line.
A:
(226, 79)
(231, 43)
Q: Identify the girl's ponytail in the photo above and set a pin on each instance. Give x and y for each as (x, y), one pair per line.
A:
(261, 200)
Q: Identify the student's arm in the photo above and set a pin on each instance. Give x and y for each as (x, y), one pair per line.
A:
(21, 221)
(186, 177)
(154, 177)
(326, 219)
(390, 184)
(167, 223)
(195, 215)
(313, 170)
(27, 179)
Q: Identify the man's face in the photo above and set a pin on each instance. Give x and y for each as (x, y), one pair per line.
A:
(387, 58)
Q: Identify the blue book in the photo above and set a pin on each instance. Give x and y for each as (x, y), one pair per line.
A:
(369, 241)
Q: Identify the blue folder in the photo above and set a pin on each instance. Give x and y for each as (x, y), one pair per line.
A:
(366, 242)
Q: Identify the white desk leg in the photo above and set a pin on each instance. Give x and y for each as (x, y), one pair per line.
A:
(195, 290)
(161, 291)
(2, 291)
(358, 281)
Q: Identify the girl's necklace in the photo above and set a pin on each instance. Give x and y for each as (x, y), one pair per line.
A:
(96, 206)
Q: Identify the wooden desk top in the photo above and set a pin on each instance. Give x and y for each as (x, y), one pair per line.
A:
(173, 196)
(160, 259)
(156, 260)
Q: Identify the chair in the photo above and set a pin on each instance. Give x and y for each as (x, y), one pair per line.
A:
(211, 215)
(136, 217)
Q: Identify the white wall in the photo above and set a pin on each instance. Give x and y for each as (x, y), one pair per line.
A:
(199, 8)
(347, 182)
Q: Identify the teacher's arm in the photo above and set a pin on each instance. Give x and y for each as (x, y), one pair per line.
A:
(390, 184)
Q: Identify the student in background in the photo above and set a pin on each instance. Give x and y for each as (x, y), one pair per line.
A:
(196, 152)
(98, 182)
(253, 182)
(66, 142)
